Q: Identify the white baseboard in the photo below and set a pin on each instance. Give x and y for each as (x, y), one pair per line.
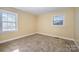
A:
(72, 39)
(57, 36)
(4, 41)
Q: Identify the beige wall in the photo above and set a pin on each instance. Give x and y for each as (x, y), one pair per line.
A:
(29, 23)
(44, 24)
(26, 24)
(77, 25)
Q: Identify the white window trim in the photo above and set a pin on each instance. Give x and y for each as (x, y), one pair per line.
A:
(58, 25)
(1, 10)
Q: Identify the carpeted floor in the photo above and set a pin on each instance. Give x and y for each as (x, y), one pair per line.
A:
(39, 43)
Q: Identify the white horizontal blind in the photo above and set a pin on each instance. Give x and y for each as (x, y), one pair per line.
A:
(8, 21)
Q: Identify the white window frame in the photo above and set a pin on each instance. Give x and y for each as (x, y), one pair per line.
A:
(58, 25)
(5, 11)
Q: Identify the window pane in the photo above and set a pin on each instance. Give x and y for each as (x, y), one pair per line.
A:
(4, 17)
(0, 16)
(60, 17)
(8, 21)
(11, 24)
(56, 17)
(4, 25)
(5, 30)
(12, 28)
(11, 18)
(58, 20)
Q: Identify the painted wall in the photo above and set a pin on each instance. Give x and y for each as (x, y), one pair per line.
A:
(29, 23)
(45, 26)
(77, 25)
(26, 24)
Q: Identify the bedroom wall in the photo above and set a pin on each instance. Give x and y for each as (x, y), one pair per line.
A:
(77, 25)
(66, 31)
(29, 24)
(26, 24)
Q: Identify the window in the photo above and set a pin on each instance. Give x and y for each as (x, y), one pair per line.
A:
(58, 20)
(8, 21)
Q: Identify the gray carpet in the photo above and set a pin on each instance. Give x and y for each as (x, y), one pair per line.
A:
(39, 43)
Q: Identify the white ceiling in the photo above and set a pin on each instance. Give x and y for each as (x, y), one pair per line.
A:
(39, 10)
